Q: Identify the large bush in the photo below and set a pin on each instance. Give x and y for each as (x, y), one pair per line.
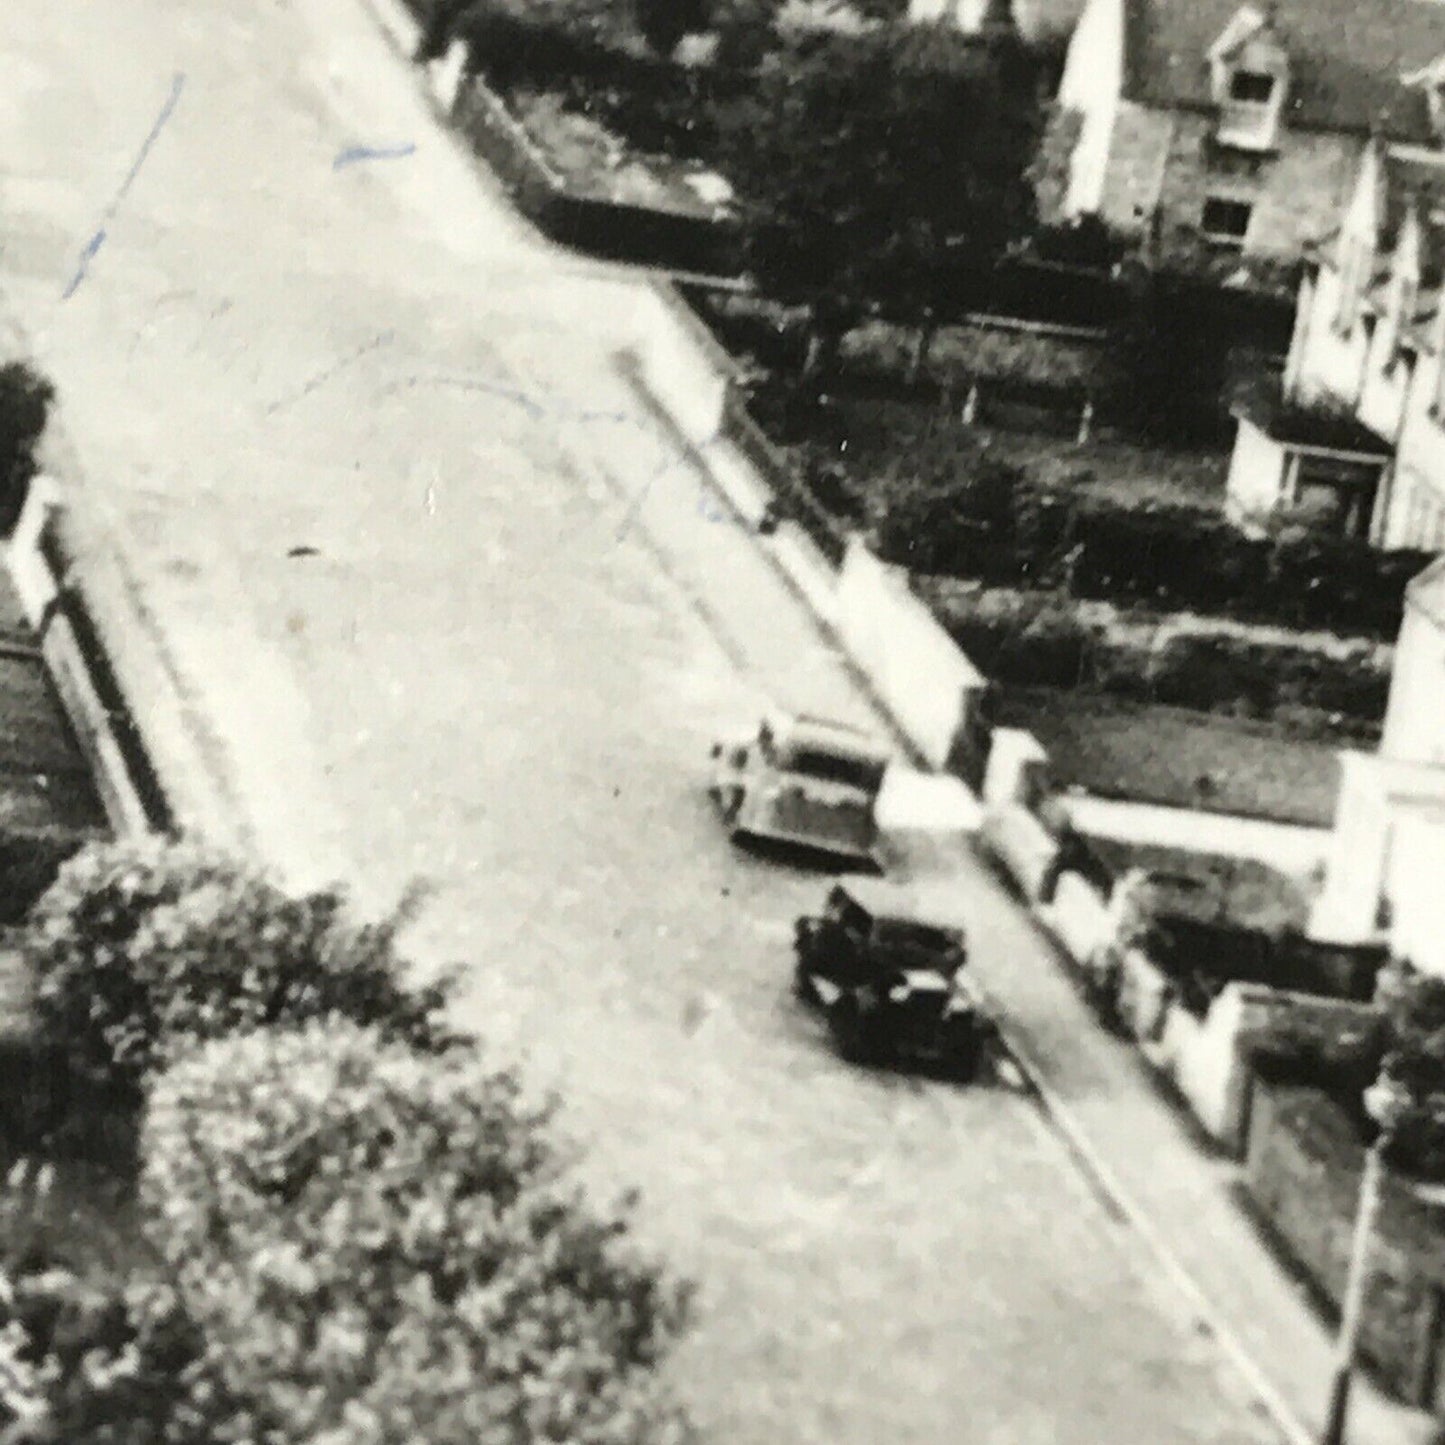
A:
(86, 1356)
(382, 1246)
(139, 947)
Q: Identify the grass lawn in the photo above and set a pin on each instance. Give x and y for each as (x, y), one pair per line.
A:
(1152, 754)
(871, 438)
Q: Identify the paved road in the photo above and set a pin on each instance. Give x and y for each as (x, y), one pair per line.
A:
(353, 394)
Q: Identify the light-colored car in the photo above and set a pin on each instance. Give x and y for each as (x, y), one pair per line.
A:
(803, 781)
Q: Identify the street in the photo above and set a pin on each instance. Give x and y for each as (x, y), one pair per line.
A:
(371, 394)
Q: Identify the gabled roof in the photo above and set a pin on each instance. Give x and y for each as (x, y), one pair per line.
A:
(1347, 58)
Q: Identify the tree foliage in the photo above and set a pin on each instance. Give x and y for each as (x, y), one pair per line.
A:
(1413, 1071)
(142, 946)
(381, 1246)
(870, 161)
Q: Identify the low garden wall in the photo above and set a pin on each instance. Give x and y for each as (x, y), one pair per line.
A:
(1079, 916)
(643, 235)
(917, 669)
(81, 674)
(1302, 1172)
(1023, 848)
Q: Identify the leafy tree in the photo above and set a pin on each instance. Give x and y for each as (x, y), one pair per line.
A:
(382, 1246)
(871, 163)
(140, 946)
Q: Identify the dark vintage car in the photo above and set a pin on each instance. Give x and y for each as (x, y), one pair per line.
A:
(803, 781)
(888, 974)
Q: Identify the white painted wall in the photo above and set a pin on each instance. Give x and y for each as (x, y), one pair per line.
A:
(1092, 82)
(1255, 487)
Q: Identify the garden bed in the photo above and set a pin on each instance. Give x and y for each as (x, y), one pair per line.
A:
(1249, 893)
(1155, 754)
(595, 164)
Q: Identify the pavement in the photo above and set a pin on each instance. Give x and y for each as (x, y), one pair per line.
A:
(448, 603)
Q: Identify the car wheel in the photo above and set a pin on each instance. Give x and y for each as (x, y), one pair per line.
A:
(803, 981)
(854, 1032)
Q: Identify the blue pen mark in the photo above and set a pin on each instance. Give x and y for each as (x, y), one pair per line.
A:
(97, 240)
(321, 378)
(352, 154)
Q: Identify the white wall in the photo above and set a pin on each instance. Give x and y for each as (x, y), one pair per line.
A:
(919, 672)
(1255, 487)
(1092, 81)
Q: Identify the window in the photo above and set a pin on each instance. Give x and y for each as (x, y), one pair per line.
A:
(1225, 220)
(1251, 86)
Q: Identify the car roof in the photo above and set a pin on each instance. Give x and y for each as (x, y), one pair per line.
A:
(899, 902)
(809, 731)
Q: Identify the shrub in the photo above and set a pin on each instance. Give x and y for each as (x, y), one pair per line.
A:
(381, 1245)
(25, 399)
(1414, 1007)
(141, 946)
(84, 1355)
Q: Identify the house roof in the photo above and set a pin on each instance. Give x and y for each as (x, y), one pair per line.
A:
(1347, 58)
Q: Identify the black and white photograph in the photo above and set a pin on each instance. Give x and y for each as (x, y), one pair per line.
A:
(722, 722)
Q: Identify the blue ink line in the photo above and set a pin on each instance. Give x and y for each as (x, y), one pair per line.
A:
(491, 388)
(321, 378)
(352, 154)
(86, 256)
(178, 83)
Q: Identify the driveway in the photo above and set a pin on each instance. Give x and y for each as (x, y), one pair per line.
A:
(355, 393)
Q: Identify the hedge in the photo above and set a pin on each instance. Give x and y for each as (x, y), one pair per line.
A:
(1304, 1160)
(955, 522)
(1048, 639)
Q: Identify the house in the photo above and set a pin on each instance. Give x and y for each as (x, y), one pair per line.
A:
(1387, 858)
(1353, 436)
(1225, 136)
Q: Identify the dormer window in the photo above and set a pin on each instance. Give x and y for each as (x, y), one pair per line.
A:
(1249, 68)
(1252, 87)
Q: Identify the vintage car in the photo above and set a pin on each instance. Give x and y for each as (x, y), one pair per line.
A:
(802, 781)
(888, 974)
